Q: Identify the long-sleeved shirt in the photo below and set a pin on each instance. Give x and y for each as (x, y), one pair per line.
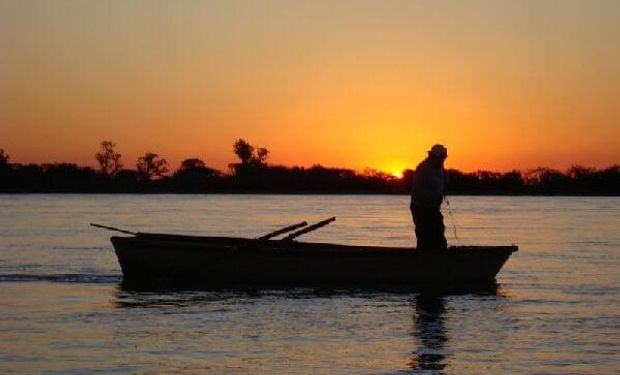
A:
(427, 188)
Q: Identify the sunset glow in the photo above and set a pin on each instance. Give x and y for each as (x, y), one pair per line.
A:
(355, 84)
(397, 174)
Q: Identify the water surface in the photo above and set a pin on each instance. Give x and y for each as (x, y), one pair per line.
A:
(555, 309)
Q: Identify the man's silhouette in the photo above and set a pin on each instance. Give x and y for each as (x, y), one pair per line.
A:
(427, 193)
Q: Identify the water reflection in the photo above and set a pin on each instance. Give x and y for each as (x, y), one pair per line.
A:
(429, 329)
(153, 298)
(258, 320)
(425, 298)
(430, 332)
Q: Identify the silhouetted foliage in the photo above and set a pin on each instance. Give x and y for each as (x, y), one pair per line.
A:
(150, 166)
(261, 156)
(109, 160)
(25, 178)
(4, 159)
(4, 168)
(51, 178)
(192, 164)
(253, 175)
(128, 181)
(252, 161)
(547, 181)
(65, 177)
(244, 151)
(195, 177)
(484, 183)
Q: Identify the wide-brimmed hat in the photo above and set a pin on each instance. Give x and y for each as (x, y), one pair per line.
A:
(438, 151)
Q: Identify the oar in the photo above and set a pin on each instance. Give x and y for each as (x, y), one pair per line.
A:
(312, 227)
(262, 238)
(112, 228)
(280, 231)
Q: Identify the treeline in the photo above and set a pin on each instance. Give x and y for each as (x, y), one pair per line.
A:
(252, 174)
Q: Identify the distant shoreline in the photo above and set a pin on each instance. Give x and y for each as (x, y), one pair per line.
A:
(253, 175)
(195, 178)
(300, 194)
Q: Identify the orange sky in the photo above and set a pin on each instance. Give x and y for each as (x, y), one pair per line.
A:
(351, 84)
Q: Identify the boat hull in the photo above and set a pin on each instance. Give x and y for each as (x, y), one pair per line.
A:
(177, 261)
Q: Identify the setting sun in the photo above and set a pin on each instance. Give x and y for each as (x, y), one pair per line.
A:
(397, 174)
(397, 171)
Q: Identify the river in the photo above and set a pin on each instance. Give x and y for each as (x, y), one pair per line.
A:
(556, 308)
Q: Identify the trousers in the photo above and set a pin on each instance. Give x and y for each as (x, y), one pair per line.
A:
(429, 228)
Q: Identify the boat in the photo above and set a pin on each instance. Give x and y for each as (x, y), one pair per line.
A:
(170, 260)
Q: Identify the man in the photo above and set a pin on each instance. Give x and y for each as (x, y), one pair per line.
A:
(427, 193)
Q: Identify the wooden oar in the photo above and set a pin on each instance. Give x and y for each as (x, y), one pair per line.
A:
(281, 231)
(312, 227)
(112, 228)
(262, 238)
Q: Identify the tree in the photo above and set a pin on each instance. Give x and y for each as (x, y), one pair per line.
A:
(4, 159)
(5, 171)
(109, 160)
(150, 165)
(68, 177)
(195, 176)
(577, 172)
(547, 181)
(193, 163)
(244, 151)
(261, 156)
(252, 159)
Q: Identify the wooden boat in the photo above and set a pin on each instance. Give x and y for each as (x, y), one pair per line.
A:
(166, 260)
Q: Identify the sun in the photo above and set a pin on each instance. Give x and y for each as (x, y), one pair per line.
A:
(395, 169)
(397, 174)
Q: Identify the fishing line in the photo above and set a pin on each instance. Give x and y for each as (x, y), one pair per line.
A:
(452, 220)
